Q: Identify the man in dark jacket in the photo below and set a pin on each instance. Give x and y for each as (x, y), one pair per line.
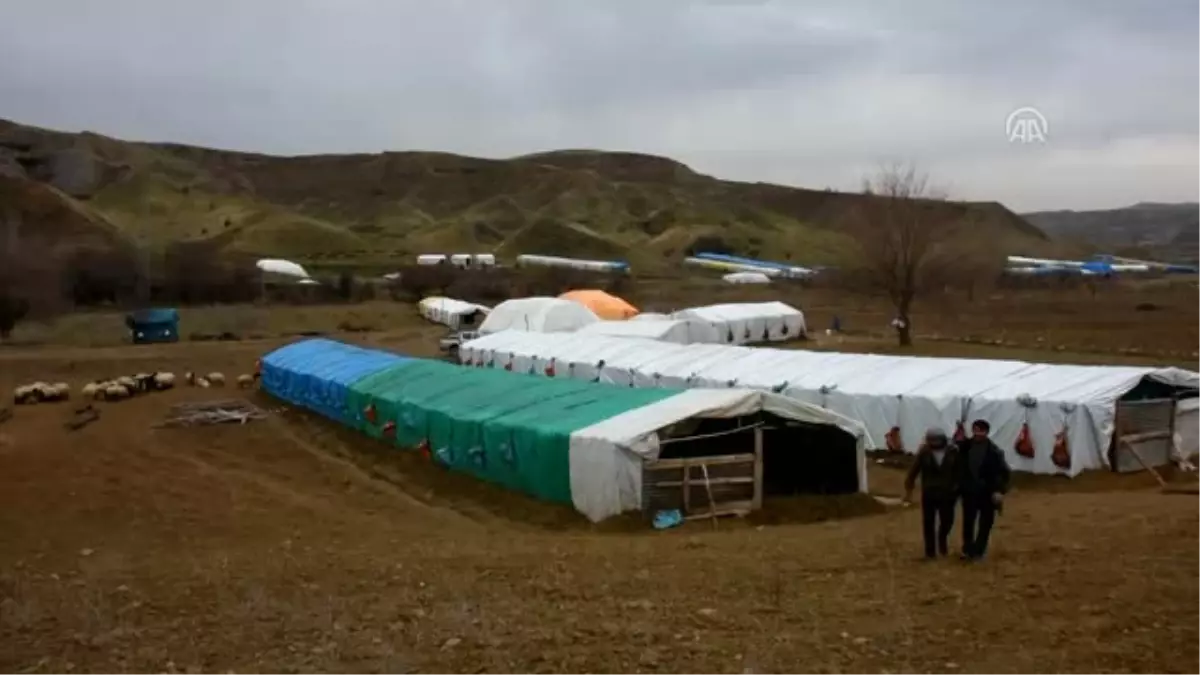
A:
(982, 482)
(937, 467)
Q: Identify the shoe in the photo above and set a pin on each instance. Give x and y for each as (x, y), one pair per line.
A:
(966, 557)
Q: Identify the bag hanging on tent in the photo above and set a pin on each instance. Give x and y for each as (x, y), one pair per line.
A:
(389, 430)
(369, 413)
(550, 369)
(1024, 443)
(895, 443)
(1061, 455)
(893, 438)
(423, 448)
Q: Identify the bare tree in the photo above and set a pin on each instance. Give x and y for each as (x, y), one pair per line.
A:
(902, 229)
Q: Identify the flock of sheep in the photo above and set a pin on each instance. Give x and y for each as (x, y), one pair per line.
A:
(122, 387)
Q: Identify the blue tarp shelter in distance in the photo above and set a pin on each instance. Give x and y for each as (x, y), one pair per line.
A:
(317, 373)
(153, 325)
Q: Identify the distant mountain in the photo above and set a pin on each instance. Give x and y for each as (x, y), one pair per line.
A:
(369, 208)
(1169, 232)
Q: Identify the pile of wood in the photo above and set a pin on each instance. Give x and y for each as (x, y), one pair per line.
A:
(204, 413)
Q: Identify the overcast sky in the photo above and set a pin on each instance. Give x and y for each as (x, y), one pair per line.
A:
(808, 93)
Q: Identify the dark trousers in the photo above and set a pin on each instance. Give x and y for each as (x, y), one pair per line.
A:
(977, 509)
(937, 519)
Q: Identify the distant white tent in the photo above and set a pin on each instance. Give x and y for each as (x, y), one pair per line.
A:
(678, 331)
(747, 278)
(743, 323)
(284, 268)
(538, 314)
(450, 312)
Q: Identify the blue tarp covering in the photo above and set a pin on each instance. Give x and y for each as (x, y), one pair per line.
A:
(317, 373)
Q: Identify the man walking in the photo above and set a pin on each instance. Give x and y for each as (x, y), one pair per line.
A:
(937, 467)
(982, 481)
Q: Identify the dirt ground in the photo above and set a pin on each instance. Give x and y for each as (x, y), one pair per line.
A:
(290, 545)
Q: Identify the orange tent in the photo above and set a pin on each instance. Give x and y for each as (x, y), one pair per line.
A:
(603, 305)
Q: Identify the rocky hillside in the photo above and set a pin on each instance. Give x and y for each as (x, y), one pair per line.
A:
(1167, 232)
(385, 207)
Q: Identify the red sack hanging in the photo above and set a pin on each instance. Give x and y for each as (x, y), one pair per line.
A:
(258, 367)
(960, 432)
(389, 430)
(894, 441)
(423, 448)
(1061, 455)
(369, 413)
(1024, 444)
(550, 369)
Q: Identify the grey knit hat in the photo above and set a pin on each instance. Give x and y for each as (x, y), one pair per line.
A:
(936, 437)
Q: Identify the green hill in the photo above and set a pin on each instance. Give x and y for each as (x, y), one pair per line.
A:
(378, 208)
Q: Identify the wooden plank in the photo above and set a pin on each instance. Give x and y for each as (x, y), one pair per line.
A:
(745, 457)
(731, 480)
(687, 488)
(758, 469)
(1146, 436)
(1137, 455)
(712, 503)
(738, 508)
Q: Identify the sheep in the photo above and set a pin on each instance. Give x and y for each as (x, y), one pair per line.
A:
(202, 383)
(216, 379)
(163, 381)
(115, 392)
(245, 381)
(89, 390)
(60, 391)
(130, 384)
(26, 395)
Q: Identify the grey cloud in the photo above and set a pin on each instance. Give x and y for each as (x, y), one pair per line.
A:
(807, 92)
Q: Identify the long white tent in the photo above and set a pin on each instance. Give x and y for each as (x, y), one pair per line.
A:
(884, 393)
(679, 331)
(451, 312)
(741, 323)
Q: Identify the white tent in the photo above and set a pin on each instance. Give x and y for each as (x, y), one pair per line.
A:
(742, 323)
(451, 312)
(678, 331)
(882, 392)
(606, 458)
(747, 278)
(650, 316)
(538, 314)
(284, 268)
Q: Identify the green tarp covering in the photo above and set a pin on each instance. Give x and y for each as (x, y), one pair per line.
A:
(500, 426)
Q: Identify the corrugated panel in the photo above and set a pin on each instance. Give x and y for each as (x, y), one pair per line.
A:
(317, 374)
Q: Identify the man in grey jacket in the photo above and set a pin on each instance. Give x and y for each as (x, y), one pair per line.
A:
(982, 482)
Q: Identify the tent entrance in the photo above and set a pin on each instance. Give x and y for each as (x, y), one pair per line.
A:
(1144, 434)
(710, 467)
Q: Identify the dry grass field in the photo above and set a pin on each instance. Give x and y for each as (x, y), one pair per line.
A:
(288, 545)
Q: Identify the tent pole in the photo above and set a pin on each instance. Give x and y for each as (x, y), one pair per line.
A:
(758, 469)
